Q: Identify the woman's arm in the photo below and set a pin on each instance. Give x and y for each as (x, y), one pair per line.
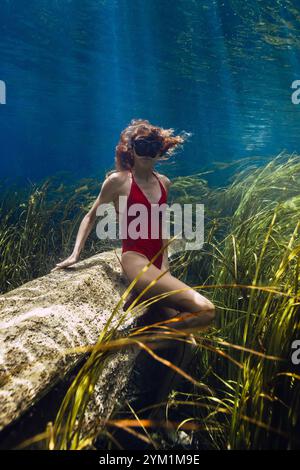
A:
(106, 195)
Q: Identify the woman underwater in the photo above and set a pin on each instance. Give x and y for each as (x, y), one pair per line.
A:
(141, 145)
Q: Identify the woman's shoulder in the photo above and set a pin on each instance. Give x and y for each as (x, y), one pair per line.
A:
(117, 176)
(165, 180)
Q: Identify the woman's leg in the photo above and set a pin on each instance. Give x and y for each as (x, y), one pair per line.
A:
(178, 352)
(182, 303)
(188, 302)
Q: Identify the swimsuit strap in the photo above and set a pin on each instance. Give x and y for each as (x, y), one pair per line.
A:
(163, 190)
(161, 185)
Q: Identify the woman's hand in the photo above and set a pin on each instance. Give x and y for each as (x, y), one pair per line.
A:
(67, 262)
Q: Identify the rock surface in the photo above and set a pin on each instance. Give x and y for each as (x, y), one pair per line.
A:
(43, 319)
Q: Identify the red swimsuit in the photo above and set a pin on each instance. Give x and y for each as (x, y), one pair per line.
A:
(147, 246)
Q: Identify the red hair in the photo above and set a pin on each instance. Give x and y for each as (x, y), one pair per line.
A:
(141, 127)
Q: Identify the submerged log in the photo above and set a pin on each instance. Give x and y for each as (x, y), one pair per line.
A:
(43, 319)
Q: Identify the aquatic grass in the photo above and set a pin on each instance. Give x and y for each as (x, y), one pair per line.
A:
(68, 423)
(38, 226)
(250, 267)
(261, 248)
(69, 420)
(70, 417)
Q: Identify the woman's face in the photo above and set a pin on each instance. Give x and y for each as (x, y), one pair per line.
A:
(143, 160)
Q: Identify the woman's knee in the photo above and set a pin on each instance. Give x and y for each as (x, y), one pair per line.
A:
(202, 305)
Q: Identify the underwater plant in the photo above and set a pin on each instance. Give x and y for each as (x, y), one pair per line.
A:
(255, 272)
(245, 390)
(38, 225)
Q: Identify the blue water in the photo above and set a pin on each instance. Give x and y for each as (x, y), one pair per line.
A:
(77, 72)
